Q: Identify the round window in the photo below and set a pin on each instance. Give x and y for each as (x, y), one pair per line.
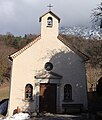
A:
(48, 66)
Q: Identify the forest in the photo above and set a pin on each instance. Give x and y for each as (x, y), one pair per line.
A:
(91, 47)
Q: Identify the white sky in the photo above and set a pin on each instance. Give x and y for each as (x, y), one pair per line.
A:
(21, 16)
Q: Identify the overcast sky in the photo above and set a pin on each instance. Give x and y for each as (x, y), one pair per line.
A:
(21, 16)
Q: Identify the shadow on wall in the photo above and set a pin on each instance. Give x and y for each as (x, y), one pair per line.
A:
(64, 64)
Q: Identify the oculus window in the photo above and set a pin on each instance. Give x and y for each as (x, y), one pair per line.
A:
(48, 66)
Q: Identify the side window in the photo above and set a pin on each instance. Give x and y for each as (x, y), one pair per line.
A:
(49, 22)
(67, 92)
(28, 92)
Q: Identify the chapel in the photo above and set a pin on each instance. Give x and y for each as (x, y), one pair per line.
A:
(48, 74)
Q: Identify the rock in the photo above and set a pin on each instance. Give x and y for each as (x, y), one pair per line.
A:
(4, 106)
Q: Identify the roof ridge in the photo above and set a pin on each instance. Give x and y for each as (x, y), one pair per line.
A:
(81, 54)
(61, 38)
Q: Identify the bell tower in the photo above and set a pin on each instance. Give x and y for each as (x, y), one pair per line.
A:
(49, 24)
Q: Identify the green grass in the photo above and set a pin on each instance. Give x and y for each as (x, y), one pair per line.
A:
(4, 92)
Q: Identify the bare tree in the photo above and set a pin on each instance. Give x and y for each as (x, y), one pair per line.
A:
(97, 16)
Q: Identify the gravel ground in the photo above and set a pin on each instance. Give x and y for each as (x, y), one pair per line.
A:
(82, 116)
(59, 117)
(48, 116)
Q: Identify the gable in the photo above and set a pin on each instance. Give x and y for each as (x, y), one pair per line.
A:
(60, 38)
(51, 14)
(48, 75)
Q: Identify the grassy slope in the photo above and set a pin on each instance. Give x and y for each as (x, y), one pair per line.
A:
(4, 92)
(1, 116)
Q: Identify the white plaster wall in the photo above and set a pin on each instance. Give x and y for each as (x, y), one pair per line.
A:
(31, 61)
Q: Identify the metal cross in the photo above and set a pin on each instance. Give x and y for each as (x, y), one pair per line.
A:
(50, 6)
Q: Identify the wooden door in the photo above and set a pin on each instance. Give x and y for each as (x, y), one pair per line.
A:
(47, 101)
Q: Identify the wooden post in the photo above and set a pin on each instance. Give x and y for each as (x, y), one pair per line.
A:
(18, 109)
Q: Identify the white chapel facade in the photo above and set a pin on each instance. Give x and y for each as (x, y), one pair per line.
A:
(48, 73)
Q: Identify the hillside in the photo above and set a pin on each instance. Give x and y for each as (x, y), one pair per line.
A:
(91, 47)
(83, 31)
(8, 45)
(5, 65)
